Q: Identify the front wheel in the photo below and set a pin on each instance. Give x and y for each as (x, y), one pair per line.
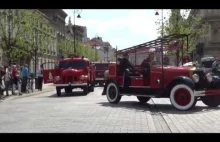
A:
(211, 101)
(85, 90)
(58, 91)
(182, 97)
(112, 93)
(143, 100)
(68, 90)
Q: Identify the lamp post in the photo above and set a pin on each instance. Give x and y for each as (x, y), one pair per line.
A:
(74, 32)
(162, 33)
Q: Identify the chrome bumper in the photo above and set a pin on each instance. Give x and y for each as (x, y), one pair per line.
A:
(71, 85)
(98, 79)
(210, 92)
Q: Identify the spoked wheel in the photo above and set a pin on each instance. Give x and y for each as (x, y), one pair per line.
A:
(211, 101)
(112, 93)
(143, 100)
(182, 97)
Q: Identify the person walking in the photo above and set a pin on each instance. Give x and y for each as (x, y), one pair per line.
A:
(24, 78)
(7, 79)
(40, 77)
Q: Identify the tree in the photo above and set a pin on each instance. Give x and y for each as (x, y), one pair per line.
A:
(16, 25)
(178, 23)
(66, 47)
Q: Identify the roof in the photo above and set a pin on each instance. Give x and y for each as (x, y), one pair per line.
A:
(165, 41)
(93, 42)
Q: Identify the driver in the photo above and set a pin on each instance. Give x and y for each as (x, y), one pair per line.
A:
(127, 69)
(146, 67)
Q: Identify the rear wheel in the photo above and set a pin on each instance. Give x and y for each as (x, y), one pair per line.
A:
(211, 101)
(112, 93)
(182, 97)
(143, 100)
(58, 91)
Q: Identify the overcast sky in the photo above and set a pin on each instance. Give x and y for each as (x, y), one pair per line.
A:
(122, 28)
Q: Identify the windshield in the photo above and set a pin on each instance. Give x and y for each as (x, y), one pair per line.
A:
(101, 66)
(207, 64)
(72, 64)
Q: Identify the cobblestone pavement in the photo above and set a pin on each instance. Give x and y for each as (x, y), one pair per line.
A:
(93, 114)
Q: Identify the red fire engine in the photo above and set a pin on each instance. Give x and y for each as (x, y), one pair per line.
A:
(71, 73)
(183, 85)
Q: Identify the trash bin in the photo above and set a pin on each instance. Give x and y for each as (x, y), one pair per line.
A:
(36, 83)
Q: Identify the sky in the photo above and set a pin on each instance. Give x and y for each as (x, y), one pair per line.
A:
(121, 28)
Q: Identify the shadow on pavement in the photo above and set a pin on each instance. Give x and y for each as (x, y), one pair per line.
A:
(73, 94)
(163, 108)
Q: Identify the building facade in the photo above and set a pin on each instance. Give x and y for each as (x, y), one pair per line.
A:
(209, 46)
(104, 49)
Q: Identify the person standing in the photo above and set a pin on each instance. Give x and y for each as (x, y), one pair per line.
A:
(7, 79)
(24, 78)
(40, 77)
(15, 80)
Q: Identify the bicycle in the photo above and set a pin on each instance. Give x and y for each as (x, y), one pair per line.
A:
(30, 84)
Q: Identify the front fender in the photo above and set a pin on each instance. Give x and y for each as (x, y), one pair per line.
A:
(216, 82)
(105, 87)
(179, 80)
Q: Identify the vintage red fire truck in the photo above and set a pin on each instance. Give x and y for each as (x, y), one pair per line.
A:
(100, 67)
(71, 73)
(183, 85)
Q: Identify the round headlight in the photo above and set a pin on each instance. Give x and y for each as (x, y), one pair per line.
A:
(82, 77)
(209, 77)
(195, 78)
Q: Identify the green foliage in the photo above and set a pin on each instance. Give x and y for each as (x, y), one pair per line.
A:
(67, 47)
(22, 34)
(178, 23)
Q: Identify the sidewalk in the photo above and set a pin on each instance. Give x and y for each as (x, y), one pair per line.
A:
(46, 88)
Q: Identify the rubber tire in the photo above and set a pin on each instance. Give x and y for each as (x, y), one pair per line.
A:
(118, 97)
(211, 101)
(58, 91)
(85, 90)
(68, 90)
(143, 100)
(91, 88)
(193, 103)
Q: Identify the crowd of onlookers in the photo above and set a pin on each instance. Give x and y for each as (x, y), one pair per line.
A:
(16, 77)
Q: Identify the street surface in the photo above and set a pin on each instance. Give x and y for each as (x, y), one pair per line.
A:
(93, 114)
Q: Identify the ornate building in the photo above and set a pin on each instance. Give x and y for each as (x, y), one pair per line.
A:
(209, 46)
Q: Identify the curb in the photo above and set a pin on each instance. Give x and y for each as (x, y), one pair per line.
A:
(27, 95)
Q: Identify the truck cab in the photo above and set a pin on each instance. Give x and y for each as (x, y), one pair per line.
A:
(71, 73)
(100, 70)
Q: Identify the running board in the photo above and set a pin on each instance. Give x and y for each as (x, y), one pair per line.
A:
(151, 96)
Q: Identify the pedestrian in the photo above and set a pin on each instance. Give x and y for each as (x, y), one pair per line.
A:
(15, 80)
(7, 79)
(40, 77)
(24, 78)
(2, 84)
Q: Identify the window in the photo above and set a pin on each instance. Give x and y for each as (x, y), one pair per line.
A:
(79, 64)
(101, 66)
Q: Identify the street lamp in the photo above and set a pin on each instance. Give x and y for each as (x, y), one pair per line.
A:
(157, 14)
(78, 16)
